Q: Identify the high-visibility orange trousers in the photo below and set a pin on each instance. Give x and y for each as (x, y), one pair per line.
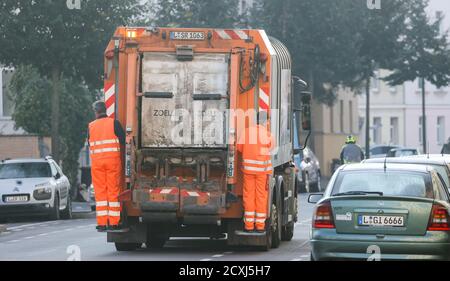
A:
(106, 181)
(255, 201)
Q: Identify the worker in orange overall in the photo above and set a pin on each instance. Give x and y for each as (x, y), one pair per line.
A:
(105, 138)
(256, 144)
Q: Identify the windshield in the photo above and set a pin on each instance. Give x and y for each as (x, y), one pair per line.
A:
(394, 183)
(25, 170)
(400, 153)
(443, 172)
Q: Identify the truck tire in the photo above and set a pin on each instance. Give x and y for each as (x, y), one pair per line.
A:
(156, 237)
(276, 222)
(54, 213)
(126, 247)
(67, 213)
(288, 232)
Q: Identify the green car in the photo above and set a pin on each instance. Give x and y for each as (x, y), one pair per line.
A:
(374, 211)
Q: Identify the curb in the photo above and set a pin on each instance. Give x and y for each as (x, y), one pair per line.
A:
(2, 228)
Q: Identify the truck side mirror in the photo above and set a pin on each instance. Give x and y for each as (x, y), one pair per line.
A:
(306, 111)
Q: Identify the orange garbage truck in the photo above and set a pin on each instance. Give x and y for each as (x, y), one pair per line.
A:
(183, 96)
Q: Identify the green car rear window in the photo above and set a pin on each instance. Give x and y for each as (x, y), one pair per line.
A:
(394, 183)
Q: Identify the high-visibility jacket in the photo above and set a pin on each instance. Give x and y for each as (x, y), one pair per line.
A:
(103, 142)
(255, 143)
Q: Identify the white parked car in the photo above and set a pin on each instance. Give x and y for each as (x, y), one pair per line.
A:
(34, 187)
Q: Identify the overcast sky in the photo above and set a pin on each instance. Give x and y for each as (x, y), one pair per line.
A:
(440, 5)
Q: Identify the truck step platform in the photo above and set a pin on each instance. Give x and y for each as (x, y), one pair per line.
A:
(251, 234)
(124, 230)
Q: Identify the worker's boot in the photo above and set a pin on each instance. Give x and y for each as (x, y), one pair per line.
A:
(114, 227)
(101, 227)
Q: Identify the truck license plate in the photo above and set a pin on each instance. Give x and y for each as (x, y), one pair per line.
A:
(185, 35)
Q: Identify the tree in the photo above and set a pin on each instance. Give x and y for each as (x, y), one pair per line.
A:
(61, 42)
(424, 53)
(32, 97)
(194, 13)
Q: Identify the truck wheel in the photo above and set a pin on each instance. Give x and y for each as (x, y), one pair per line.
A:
(126, 247)
(54, 213)
(276, 223)
(67, 213)
(288, 232)
(156, 238)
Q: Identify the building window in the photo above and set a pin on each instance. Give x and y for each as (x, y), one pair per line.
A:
(393, 90)
(441, 130)
(341, 112)
(394, 130)
(420, 130)
(350, 110)
(377, 130)
(375, 81)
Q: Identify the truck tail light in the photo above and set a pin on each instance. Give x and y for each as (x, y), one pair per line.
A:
(439, 219)
(128, 160)
(323, 216)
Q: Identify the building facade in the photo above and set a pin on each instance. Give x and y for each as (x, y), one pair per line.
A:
(331, 125)
(396, 112)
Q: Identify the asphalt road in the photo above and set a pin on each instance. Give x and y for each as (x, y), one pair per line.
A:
(77, 239)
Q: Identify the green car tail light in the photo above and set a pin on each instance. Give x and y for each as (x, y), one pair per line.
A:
(323, 216)
(439, 219)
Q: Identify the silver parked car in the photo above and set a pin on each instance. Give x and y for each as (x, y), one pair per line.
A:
(34, 187)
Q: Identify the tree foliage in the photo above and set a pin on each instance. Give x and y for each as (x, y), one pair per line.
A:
(61, 42)
(31, 95)
(194, 13)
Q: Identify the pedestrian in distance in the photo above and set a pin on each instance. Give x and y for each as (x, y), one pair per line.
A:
(351, 152)
(106, 136)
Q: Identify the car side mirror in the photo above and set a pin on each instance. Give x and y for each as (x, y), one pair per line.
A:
(57, 176)
(314, 198)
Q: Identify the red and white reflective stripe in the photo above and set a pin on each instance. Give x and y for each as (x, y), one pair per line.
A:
(101, 203)
(102, 213)
(264, 99)
(110, 98)
(114, 204)
(114, 214)
(164, 191)
(231, 34)
(195, 194)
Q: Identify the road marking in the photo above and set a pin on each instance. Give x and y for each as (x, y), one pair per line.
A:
(29, 237)
(217, 256)
(13, 241)
(296, 259)
(68, 229)
(206, 260)
(43, 234)
(4, 233)
(28, 225)
(304, 256)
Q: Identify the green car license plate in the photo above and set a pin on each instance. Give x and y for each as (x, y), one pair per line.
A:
(366, 220)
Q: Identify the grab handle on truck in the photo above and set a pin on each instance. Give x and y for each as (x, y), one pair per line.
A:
(207, 97)
(158, 95)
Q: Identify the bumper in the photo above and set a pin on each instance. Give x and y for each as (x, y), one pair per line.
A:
(432, 246)
(25, 210)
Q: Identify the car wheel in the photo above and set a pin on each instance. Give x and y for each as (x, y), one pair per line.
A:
(127, 247)
(54, 213)
(67, 213)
